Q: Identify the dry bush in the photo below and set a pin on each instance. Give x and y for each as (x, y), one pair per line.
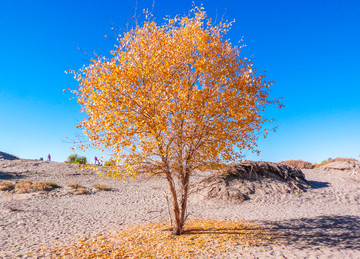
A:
(102, 187)
(6, 186)
(81, 191)
(24, 186)
(74, 185)
(78, 189)
(54, 185)
(343, 159)
(298, 163)
(42, 186)
(201, 239)
(338, 159)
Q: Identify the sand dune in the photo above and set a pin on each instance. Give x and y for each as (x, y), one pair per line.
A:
(320, 222)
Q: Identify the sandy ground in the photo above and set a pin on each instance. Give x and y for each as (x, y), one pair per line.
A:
(323, 222)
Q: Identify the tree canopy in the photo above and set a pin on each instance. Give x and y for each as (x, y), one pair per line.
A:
(171, 99)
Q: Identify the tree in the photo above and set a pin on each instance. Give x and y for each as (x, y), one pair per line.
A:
(172, 99)
(76, 159)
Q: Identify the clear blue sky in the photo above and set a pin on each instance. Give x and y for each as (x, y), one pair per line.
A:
(311, 49)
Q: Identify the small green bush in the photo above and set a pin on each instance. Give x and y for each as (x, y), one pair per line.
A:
(109, 163)
(76, 159)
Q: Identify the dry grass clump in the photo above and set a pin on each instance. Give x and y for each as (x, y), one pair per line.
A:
(78, 189)
(6, 186)
(74, 185)
(44, 186)
(298, 163)
(24, 186)
(102, 187)
(202, 238)
(330, 160)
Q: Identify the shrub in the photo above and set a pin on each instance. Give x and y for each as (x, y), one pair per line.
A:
(71, 158)
(74, 185)
(54, 185)
(44, 186)
(78, 189)
(109, 163)
(24, 186)
(6, 186)
(81, 191)
(102, 187)
(76, 159)
(298, 163)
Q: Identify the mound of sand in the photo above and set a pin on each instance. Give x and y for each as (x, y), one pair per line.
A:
(6, 156)
(252, 180)
(38, 170)
(342, 166)
(345, 168)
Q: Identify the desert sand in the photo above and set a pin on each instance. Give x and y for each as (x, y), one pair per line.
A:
(321, 222)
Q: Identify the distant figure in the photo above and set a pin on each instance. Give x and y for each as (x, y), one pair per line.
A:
(97, 161)
(49, 158)
(41, 159)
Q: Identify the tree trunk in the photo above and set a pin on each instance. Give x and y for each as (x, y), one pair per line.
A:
(184, 197)
(177, 229)
(179, 211)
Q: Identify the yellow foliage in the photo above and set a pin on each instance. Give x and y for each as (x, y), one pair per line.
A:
(201, 238)
(174, 92)
(172, 99)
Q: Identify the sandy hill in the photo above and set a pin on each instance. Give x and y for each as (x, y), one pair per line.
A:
(6, 156)
(352, 167)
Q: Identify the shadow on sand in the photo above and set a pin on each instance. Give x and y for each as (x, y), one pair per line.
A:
(318, 185)
(10, 176)
(331, 231)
